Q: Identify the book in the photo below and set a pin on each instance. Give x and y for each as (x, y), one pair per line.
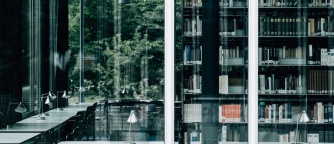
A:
(262, 26)
(325, 113)
(230, 113)
(330, 112)
(224, 133)
(320, 112)
(292, 136)
(323, 56)
(192, 113)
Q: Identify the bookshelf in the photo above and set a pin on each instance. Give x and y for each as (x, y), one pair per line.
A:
(296, 70)
(230, 99)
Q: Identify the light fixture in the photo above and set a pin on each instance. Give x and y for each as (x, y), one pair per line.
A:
(19, 109)
(63, 96)
(132, 119)
(41, 116)
(80, 90)
(302, 119)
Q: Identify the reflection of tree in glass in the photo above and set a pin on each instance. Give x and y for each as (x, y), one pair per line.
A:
(137, 61)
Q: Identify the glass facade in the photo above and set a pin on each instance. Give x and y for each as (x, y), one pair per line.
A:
(188, 71)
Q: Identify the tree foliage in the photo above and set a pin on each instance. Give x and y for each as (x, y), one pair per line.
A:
(136, 60)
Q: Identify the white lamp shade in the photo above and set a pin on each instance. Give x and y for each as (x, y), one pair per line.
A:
(47, 100)
(304, 117)
(52, 96)
(65, 96)
(132, 118)
(20, 108)
(81, 89)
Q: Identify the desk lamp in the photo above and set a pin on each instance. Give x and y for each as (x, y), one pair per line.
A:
(19, 109)
(302, 119)
(48, 95)
(132, 119)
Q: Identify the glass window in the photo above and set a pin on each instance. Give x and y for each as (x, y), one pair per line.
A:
(120, 58)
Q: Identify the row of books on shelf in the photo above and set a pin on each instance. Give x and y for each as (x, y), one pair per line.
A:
(276, 113)
(228, 83)
(284, 55)
(192, 3)
(282, 26)
(295, 26)
(232, 113)
(230, 26)
(228, 134)
(286, 113)
(222, 3)
(233, 134)
(192, 55)
(311, 138)
(280, 55)
(293, 3)
(323, 26)
(193, 84)
(227, 27)
(231, 3)
(322, 113)
(231, 55)
(320, 3)
(320, 81)
(278, 3)
(192, 27)
(228, 113)
(279, 84)
(320, 136)
(236, 135)
(320, 55)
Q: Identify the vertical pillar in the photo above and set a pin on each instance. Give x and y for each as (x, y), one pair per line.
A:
(253, 72)
(169, 70)
(210, 71)
(81, 49)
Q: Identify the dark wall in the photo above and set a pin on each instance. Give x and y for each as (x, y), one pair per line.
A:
(10, 56)
(15, 54)
(62, 73)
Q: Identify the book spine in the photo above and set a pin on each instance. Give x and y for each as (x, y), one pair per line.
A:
(268, 21)
(262, 25)
(224, 133)
(330, 112)
(283, 26)
(325, 113)
(279, 26)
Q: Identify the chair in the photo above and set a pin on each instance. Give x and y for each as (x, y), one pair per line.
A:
(73, 128)
(89, 121)
(67, 128)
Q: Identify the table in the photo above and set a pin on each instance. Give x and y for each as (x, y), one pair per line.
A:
(110, 142)
(56, 116)
(13, 138)
(28, 128)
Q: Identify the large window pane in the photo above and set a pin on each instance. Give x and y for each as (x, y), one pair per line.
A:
(122, 59)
